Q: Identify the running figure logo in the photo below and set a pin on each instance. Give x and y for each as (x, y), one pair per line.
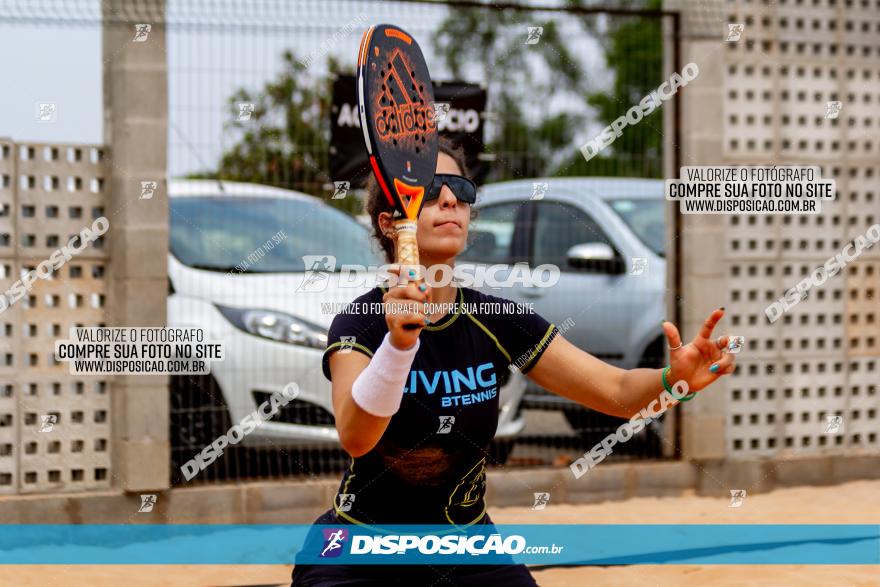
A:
(148, 189)
(639, 266)
(346, 500)
(142, 33)
(48, 422)
(46, 112)
(832, 109)
(833, 424)
(735, 344)
(446, 423)
(541, 500)
(539, 189)
(734, 32)
(340, 189)
(318, 268)
(245, 110)
(348, 343)
(535, 33)
(147, 503)
(441, 110)
(333, 540)
(737, 496)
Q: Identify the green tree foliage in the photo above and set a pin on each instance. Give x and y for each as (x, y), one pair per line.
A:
(530, 139)
(285, 141)
(634, 51)
(489, 45)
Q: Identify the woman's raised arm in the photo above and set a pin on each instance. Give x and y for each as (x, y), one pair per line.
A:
(359, 431)
(571, 372)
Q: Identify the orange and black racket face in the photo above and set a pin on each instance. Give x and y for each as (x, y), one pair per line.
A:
(396, 101)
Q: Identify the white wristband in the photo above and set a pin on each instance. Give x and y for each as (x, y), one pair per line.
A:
(378, 390)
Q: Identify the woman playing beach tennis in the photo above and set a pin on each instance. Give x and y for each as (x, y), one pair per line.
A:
(417, 408)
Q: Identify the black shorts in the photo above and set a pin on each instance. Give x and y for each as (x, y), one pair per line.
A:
(512, 575)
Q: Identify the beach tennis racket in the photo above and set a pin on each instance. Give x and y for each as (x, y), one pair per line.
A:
(396, 105)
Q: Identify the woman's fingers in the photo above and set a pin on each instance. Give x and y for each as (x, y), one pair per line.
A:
(711, 321)
(403, 274)
(410, 291)
(719, 366)
(672, 335)
(727, 370)
(406, 304)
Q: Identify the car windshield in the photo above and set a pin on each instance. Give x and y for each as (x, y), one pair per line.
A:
(645, 218)
(265, 235)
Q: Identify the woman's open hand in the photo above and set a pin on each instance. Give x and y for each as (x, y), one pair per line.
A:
(701, 361)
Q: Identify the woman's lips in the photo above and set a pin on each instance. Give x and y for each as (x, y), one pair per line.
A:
(447, 224)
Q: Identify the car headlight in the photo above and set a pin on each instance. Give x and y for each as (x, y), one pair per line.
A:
(276, 326)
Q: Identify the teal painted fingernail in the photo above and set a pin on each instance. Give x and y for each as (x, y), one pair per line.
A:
(713, 368)
(412, 273)
(427, 321)
(423, 288)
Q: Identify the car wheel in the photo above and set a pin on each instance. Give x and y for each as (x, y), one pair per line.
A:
(499, 451)
(198, 415)
(592, 427)
(654, 355)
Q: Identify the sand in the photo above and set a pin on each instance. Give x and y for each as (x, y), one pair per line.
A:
(851, 503)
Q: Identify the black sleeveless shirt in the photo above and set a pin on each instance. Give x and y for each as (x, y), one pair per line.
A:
(429, 467)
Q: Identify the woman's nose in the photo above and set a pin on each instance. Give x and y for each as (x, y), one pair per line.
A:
(447, 198)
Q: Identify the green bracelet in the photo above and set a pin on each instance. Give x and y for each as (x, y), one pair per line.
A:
(668, 388)
(663, 377)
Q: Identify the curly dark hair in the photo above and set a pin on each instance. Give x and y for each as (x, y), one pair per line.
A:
(376, 202)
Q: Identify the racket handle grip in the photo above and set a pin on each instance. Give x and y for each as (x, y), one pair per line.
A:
(407, 248)
(407, 253)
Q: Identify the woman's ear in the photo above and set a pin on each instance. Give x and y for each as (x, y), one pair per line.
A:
(386, 224)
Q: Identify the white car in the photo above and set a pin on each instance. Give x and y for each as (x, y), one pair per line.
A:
(237, 270)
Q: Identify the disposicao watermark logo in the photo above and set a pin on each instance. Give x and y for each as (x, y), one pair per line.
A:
(831, 267)
(433, 544)
(266, 411)
(56, 260)
(627, 430)
(498, 275)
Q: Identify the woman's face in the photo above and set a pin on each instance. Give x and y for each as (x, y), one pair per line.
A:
(443, 223)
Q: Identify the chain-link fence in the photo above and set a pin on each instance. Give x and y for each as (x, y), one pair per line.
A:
(267, 97)
(266, 165)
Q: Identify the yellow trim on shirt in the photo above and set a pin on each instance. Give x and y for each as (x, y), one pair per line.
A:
(539, 347)
(492, 336)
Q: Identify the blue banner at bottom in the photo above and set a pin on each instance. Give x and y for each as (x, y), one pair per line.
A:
(533, 544)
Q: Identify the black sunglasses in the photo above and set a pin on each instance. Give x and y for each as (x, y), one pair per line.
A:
(463, 188)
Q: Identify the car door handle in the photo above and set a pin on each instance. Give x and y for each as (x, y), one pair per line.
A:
(532, 292)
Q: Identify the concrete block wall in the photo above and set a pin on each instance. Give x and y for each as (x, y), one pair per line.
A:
(762, 100)
(55, 428)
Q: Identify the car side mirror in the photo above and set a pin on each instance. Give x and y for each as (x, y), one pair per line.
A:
(595, 258)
